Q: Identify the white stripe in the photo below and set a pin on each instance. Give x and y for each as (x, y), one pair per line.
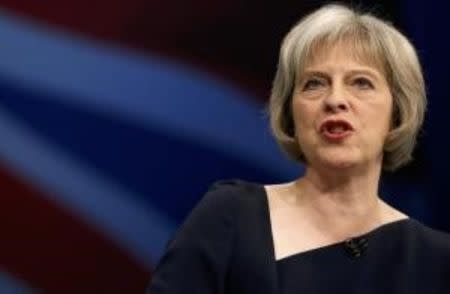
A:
(12, 285)
(134, 225)
(180, 101)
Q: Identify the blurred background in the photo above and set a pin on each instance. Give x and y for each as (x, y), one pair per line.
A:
(116, 116)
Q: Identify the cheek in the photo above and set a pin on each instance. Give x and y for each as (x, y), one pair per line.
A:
(385, 116)
(304, 115)
(376, 120)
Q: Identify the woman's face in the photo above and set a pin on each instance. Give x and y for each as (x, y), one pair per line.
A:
(342, 110)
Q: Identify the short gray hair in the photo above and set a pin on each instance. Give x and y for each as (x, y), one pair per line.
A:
(375, 39)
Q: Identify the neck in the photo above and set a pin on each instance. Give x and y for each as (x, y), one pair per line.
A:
(341, 203)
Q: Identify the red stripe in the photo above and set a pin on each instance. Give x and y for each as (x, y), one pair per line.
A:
(52, 250)
(134, 22)
(180, 31)
(100, 18)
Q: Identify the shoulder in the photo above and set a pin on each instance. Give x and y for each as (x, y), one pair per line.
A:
(435, 241)
(198, 257)
(232, 195)
(237, 187)
(222, 204)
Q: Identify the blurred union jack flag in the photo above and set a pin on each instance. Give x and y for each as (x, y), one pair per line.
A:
(104, 148)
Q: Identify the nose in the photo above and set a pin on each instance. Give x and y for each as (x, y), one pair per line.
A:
(336, 101)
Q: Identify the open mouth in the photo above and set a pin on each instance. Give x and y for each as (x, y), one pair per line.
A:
(336, 129)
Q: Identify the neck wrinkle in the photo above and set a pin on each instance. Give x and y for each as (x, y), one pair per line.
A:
(341, 205)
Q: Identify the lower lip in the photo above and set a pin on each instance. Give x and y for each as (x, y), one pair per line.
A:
(336, 136)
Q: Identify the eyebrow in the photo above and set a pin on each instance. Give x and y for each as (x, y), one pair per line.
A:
(369, 72)
(322, 74)
(313, 73)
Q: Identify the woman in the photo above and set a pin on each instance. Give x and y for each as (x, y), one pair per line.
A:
(348, 100)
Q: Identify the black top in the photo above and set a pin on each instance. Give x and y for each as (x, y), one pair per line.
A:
(226, 246)
(381, 266)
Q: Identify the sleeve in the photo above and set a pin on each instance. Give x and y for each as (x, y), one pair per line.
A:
(197, 257)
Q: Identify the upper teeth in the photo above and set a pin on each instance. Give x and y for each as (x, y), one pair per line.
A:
(336, 129)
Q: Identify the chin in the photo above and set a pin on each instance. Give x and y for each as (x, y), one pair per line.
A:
(341, 164)
(339, 161)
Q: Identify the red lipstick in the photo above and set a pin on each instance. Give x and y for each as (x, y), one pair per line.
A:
(336, 129)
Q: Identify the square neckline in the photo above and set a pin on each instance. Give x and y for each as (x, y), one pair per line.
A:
(307, 252)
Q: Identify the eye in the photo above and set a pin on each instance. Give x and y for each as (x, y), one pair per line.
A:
(363, 83)
(312, 84)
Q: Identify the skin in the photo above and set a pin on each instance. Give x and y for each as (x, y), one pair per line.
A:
(338, 86)
(338, 196)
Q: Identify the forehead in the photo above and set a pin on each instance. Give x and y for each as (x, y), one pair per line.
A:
(359, 51)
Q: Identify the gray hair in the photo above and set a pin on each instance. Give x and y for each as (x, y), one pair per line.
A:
(372, 38)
